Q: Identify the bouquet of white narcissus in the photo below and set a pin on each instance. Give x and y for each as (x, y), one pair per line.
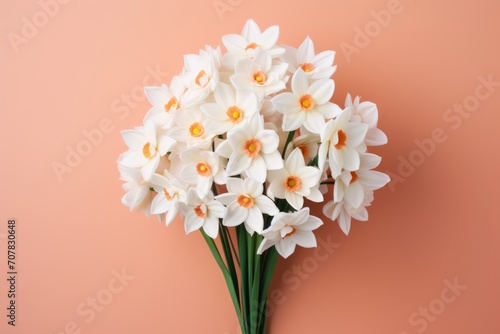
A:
(240, 140)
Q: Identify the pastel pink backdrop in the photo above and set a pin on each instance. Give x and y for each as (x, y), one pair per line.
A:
(440, 224)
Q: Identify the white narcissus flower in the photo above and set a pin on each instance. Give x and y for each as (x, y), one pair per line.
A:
(316, 66)
(295, 181)
(246, 204)
(138, 191)
(288, 230)
(165, 100)
(146, 147)
(201, 168)
(230, 110)
(252, 150)
(352, 185)
(189, 129)
(307, 143)
(203, 213)
(201, 73)
(261, 75)
(171, 193)
(307, 105)
(343, 212)
(339, 140)
(250, 42)
(366, 112)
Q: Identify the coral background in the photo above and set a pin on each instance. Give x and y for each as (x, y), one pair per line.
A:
(436, 225)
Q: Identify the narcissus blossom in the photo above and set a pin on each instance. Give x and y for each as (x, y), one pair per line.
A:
(261, 75)
(138, 194)
(165, 100)
(200, 168)
(202, 213)
(339, 140)
(352, 185)
(189, 130)
(315, 66)
(288, 230)
(171, 194)
(146, 147)
(343, 212)
(251, 150)
(246, 204)
(295, 181)
(249, 43)
(366, 112)
(231, 109)
(307, 105)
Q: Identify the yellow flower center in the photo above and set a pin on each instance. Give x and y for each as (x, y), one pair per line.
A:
(252, 147)
(306, 102)
(235, 114)
(203, 169)
(196, 129)
(259, 78)
(292, 183)
(245, 201)
(342, 138)
(307, 67)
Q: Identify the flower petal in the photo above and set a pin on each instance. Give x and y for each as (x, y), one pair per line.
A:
(322, 90)
(236, 215)
(255, 220)
(211, 227)
(285, 247)
(239, 163)
(300, 83)
(295, 200)
(257, 169)
(304, 239)
(266, 205)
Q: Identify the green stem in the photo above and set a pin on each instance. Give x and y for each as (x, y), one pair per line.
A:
(227, 276)
(242, 246)
(288, 140)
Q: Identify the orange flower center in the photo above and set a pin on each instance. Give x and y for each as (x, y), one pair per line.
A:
(307, 67)
(172, 103)
(252, 46)
(167, 195)
(292, 232)
(202, 79)
(252, 147)
(235, 114)
(146, 150)
(342, 139)
(245, 201)
(203, 169)
(196, 129)
(306, 102)
(292, 183)
(201, 211)
(259, 78)
(354, 177)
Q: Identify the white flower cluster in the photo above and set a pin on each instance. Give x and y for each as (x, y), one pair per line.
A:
(248, 135)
